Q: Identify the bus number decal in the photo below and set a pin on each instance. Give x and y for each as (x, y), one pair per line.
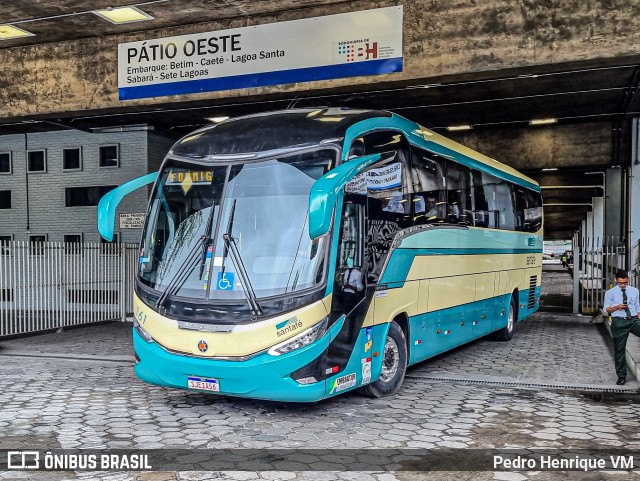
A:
(141, 316)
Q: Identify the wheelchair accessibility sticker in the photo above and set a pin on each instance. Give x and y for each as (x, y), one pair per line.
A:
(225, 281)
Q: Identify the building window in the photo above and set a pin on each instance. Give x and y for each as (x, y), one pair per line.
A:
(85, 196)
(37, 244)
(72, 159)
(5, 199)
(107, 247)
(109, 156)
(72, 243)
(36, 161)
(73, 238)
(5, 163)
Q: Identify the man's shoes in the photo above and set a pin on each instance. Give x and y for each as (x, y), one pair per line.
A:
(621, 381)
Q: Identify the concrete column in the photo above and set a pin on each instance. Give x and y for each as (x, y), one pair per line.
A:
(598, 220)
(598, 233)
(612, 219)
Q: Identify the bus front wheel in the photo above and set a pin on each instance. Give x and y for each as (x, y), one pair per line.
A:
(394, 365)
(506, 333)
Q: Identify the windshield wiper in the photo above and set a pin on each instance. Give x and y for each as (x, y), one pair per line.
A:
(206, 242)
(231, 246)
(183, 273)
(185, 270)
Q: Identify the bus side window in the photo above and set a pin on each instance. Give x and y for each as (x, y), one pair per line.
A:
(357, 149)
(500, 202)
(429, 195)
(479, 206)
(528, 209)
(389, 184)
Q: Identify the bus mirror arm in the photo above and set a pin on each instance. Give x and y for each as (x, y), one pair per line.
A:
(110, 201)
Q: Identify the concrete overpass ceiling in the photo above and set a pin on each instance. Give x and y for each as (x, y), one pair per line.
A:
(62, 20)
(571, 94)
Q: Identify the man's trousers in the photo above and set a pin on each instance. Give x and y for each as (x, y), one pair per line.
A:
(620, 329)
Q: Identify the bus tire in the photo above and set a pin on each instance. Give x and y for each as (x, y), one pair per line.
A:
(394, 365)
(506, 333)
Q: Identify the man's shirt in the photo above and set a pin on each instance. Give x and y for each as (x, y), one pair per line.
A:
(613, 297)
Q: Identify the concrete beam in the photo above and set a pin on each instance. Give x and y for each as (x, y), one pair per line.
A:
(440, 38)
(559, 146)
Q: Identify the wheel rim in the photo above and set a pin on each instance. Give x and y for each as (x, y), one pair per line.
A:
(510, 318)
(390, 361)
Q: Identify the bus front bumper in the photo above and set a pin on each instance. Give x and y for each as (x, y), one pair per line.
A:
(261, 377)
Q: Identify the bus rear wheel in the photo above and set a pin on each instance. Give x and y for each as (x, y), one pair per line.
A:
(506, 333)
(394, 365)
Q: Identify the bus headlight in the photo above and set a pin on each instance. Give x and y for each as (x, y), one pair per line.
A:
(303, 339)
(143, 334)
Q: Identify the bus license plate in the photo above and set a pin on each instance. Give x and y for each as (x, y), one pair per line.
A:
(203, 384)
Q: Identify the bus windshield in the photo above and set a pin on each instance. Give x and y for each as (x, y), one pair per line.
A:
(183, 252)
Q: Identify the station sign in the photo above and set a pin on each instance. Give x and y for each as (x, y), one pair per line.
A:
(351, 44)
(132, 221)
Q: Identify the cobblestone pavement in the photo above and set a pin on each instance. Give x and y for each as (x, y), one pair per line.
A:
(556, 293)
(547, 350)
(77, 389)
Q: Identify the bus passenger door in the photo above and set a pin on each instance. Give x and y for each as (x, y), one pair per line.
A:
(349, 286)
(350, 272)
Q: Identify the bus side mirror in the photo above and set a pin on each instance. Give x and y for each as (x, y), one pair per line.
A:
(109, 203)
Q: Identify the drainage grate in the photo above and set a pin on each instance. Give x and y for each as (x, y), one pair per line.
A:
(520, 384)
(128, 360)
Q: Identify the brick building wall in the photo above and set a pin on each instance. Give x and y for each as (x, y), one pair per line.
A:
(140, 152)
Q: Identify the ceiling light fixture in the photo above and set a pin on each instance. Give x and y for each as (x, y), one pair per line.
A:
(216, 120)
(425, 86)
(542, 121)
(548, 169)
(7, 32)
(456, 128)
(123, 15)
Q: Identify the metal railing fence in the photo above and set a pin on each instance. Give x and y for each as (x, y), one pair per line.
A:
(598, 260)
(50, 285)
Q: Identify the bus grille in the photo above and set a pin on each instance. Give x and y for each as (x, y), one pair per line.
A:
(533, 280)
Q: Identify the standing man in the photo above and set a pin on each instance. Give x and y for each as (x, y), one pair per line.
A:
(622, 304)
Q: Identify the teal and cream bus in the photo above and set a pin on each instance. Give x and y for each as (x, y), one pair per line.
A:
(300, 254)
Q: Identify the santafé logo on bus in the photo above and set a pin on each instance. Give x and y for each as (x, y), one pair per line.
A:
(288, 326)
